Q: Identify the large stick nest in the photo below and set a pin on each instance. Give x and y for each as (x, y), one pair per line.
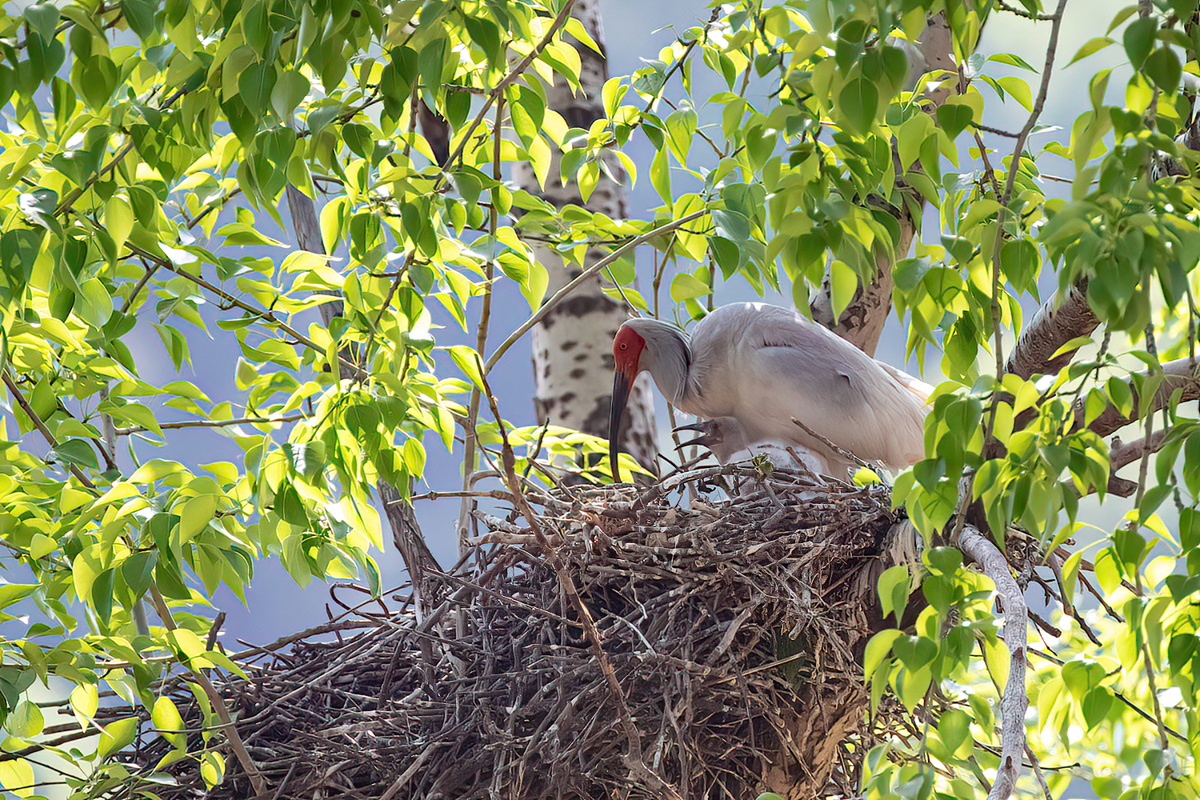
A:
(734, 627)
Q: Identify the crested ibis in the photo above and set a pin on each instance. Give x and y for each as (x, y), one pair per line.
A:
(764, 365)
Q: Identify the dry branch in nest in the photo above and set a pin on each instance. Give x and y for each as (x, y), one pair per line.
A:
(735, 629)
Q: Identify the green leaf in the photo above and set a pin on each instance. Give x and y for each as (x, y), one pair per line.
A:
(118, 220)
(84, 701)
(954, 728)
(843, 282)
(212, 768)
(1163, 67)
(686, 286)
(1139, 39)
(894, 586)
(140, 14)
(102, 596)
(13, 592)
(93, 304)
(1096, 704)
(468, 361)
(859, 101)
(195, 515)
(17, 777)
(660, 176)
(169, 723)
(954, 118)
(878, 649)
(43, 19)
(1092, 46)
(25, 721)
(78, 452)
(117, 736)
(290, 90)
(255, 84)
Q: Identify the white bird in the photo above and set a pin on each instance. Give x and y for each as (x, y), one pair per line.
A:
(764, 365)
(727, 440)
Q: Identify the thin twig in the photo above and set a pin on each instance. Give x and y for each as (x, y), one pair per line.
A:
(470, 437)
(633, 756)
(209, 423)
(556, 298)
(1013, 168)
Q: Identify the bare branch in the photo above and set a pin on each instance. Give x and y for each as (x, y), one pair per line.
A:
(558, 296)
(1015, 698)
(206, 423)
(1178, 375)
(1058, 321)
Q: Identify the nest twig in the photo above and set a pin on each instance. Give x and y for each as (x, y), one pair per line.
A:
(735, 628)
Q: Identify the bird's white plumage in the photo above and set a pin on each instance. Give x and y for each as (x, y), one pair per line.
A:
(764, 365)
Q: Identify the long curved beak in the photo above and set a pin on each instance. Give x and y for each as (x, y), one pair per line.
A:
(704, 440)
(622, 383)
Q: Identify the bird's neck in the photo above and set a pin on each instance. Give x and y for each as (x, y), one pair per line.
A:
(671, 364)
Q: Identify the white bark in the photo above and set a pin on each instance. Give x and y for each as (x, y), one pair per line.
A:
(1015, 698)
(572, 345)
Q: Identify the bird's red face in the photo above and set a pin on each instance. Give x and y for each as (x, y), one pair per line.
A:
(627, 355)
(627, 351)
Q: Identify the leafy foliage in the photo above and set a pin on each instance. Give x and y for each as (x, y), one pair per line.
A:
(146, 141)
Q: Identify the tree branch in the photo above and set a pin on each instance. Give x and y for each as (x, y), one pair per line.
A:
(406, 533)
(222, 423)
(1058, 321)
(558, 296)
(1015, 698)
(1177, 375)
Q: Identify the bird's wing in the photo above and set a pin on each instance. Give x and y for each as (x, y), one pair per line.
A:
(792, 367)
(919, 388)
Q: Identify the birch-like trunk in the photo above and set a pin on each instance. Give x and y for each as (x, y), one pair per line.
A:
(572, 346)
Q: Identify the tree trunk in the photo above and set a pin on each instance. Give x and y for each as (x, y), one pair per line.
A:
(572, 346)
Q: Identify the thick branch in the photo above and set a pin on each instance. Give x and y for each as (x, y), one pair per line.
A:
(1015, 698)
(1123, 454)
(1058, 321)
(1177, 375)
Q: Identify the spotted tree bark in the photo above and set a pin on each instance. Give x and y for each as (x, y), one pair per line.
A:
(572, 346)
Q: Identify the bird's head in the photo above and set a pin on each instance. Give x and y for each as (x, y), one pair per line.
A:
(641, 345)
(712, 433)
(628, 345)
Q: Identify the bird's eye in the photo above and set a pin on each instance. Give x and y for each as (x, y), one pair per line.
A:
(624, 345)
